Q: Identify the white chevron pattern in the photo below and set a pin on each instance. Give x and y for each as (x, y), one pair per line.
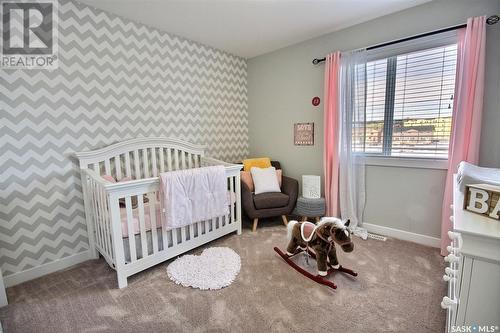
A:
(116, 80)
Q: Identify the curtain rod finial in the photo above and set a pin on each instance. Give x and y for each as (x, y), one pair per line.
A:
(317, 61)
(492, 19)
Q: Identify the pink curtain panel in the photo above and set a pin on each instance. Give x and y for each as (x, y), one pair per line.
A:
(467, 110)
(331, 133)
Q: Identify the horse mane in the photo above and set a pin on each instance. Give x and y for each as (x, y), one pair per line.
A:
(338, 224)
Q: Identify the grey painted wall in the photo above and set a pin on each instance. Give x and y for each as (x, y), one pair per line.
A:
(281, 85)
(116, 80)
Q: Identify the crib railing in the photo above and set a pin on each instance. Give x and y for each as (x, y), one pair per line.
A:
(143, 158)
(144, 242)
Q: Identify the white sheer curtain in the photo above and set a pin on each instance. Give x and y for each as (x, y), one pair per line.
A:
(352, 118)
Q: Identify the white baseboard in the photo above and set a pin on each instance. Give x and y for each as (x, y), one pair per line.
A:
(403, 235)
(54, 266)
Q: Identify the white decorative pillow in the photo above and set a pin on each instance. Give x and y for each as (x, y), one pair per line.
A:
(265, 180)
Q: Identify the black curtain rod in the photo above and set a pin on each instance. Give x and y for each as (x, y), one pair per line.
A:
(490, 20)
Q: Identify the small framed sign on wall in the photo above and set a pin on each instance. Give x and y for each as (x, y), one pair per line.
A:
(303, 134)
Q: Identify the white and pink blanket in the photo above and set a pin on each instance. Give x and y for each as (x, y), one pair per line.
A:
(193, 195)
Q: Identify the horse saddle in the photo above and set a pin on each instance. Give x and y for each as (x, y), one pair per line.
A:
(307, 230)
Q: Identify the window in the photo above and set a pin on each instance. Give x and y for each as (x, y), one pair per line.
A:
(409, 103)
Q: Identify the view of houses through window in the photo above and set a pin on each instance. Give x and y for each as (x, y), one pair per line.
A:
(409, 103)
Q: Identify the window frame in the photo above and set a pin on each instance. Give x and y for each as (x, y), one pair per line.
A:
(391, 52)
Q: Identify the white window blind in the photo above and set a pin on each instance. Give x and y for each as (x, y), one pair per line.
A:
(409, 101)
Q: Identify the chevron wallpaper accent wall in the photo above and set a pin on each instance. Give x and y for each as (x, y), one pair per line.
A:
(116, 80)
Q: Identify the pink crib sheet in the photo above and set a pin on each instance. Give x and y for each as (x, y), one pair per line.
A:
(135, 219)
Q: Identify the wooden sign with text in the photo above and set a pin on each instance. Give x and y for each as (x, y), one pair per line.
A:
(303, 134)
(483, 199)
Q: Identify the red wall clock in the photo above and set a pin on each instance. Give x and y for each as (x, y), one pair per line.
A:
(316, 101)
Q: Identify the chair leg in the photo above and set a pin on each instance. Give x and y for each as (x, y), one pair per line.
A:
(285, 220)
(255, 222)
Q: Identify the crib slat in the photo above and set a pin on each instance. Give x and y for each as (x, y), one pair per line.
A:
(93, 188)
(196, 164)
(102, 221)
(191, 231)
(190, 161)
(176, 159)
(183, 160)
(174, 237)
(231, 181)
(136, 165)
(196, 227)
(238, 202)
(162, 160)
(164, 233)
(169, 159)
(128, 171)
(107, 166)
(200, 230)
(118, 167)
(153, 162)
(98, 217)
(152, 220)
(107, 222)
(96, 168)
(145, 162)
(142, 226)
(183, 234)
(130, 229)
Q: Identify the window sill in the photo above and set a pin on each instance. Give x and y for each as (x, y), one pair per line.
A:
(406, 162)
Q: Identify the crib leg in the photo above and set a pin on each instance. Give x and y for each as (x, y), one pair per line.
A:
(238, 231)
(93, 254)
(122, 280)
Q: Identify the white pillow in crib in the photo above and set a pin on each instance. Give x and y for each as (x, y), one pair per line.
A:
(264, 180)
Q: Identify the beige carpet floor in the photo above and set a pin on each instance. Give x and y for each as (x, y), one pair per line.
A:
(399, 289)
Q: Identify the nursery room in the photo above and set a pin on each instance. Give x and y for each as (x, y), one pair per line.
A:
(250, 166)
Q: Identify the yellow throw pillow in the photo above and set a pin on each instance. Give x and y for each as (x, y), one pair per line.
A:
(263, 162)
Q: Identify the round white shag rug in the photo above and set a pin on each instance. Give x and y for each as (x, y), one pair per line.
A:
(215, 268)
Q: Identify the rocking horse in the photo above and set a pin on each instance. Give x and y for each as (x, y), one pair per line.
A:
(318, 241)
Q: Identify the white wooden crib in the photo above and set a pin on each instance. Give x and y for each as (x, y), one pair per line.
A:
(131, 239)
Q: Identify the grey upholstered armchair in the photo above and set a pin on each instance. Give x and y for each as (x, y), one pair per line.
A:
(270, 204)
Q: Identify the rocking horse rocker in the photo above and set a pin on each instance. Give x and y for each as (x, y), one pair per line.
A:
(318, 241)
